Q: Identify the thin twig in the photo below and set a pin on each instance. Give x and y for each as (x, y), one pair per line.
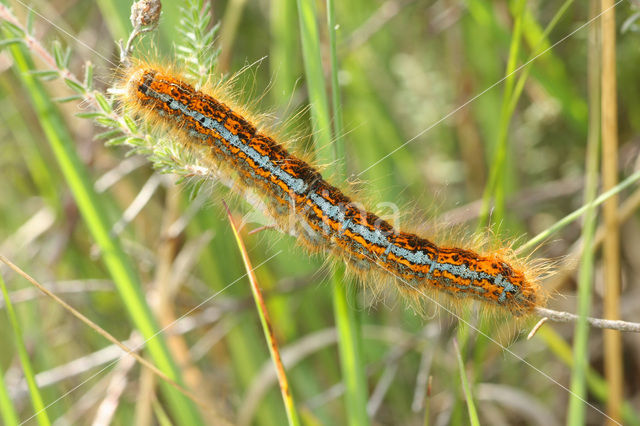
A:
(558, 316)
(145, 15)
(126, 50)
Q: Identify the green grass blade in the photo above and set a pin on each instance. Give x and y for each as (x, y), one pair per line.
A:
(339, 168)
(320, 118)
(7, 410)
(533, 242)
(349, 346)
(471, 407)
(495, 188)
(29, 375)
(541, 46)
(283, 56)
(595, 382)
(577, 408)
(345, 316)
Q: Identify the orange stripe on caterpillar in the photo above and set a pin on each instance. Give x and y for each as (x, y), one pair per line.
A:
(323, 216)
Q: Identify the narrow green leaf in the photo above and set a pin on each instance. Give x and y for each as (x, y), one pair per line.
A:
(13, 29)
(134, 140)
(131, 124)
(29, 25)
(471, 407)
(45, 74)
(597, 384)
(103, 103)
(116, 141)
(7, 410)
(576, 413)
(346, 316)
(314, 74)
(10, 41)
(106, 121)
(29, 375)
(109, 134)
(75, 86)
(66, 58)
(576, 214)
(58, 54)
(68, 99)
(88, 76)
(195, 189)
(89, 115)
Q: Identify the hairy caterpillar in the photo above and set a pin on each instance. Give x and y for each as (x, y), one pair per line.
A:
(284, 217)
(301, 201)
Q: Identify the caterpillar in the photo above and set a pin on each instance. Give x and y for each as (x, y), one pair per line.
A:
(300, 201)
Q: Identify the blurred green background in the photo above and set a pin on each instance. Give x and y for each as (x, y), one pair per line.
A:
(406, 68)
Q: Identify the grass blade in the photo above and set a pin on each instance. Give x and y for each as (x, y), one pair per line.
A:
(345, 316)
(533, 242)
(7, 410)
(349, 346)
(471, 407)
(595, 383)
(285, 390)
(29, 375)
(320, 118)
(497, 179)
(576, 410)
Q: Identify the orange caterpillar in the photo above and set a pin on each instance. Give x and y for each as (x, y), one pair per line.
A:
(299, 199)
